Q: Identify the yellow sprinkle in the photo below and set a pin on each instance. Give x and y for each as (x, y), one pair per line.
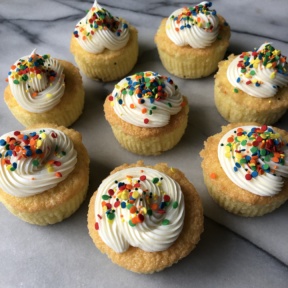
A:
(38, 143)
(43, 135)
(273, 75)
(48, 95)
(50, 169)
(39, 76)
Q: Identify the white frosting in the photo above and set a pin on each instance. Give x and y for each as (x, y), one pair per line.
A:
(231, 156)
(37, 88)
(195, 26)
(265, 79)
(52, 158)
(138, 100)
(150, 234)
(99, 30)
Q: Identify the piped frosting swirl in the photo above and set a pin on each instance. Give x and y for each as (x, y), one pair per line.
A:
(254, 158)
(37, 82)
(259, 73)
(146, 99)
(33, 161)
(141, 207)
(99, 30)
(197, 26)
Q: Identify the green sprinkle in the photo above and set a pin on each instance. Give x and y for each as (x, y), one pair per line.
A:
(165, 222)
(175, 204)
(105, 197)
(155, 180)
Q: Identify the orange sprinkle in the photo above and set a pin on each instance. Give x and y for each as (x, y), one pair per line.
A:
(132, 106)
(133, 209)
(230, 139)
(213, 176)
(58, 174)
(154, 206)
(34, 94)
(275, 159)
(144, 111)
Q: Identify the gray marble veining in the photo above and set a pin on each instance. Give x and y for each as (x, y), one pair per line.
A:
(255, 254)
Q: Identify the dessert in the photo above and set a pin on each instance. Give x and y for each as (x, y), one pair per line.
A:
(44, 89)
(147, 113)
(105, 47)
(245, 168)
(145, 218)
(44, 173)
(192, 40)
(252, 86)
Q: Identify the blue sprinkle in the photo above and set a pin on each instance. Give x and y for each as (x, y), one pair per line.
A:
(2, 142)
(237, 165)
(123, 204)
(254, 174)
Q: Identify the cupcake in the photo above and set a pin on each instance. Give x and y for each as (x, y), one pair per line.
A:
(44, 89)
(245, 168)
(105, 47)
(147, 113)
(145, 218)
(252, 87)
(192, 40)
(44, 173)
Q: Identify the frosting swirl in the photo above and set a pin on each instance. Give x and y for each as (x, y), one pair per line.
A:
(99, 30)
(254, 158)
(196, 26)
(141, 207)
(35, 161)
(146, 99)
(259, 73)
(37, 82)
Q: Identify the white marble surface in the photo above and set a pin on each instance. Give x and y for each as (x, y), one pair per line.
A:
(238, 252)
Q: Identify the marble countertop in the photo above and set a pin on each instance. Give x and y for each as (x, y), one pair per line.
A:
(233, 251)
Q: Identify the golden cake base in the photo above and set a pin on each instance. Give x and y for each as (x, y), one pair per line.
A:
(191, 63)
(147, 141)
(139, 261)
(241, 107)
(227, 194)
(65, 113)
(58, 203)
(108, 65)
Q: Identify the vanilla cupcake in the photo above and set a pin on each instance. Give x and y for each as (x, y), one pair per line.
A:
(192, 40)
(245, 168)
(253, 86)
(105, 47)
(147, 113)
(44, 173)
(44, 89)
(145, 218)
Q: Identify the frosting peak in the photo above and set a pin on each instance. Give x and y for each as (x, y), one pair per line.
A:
(196, 26)
(146, 99)
(254, 158)
(141, 207)
(34, 161)
(99, 30)
(37, 82)
(259, 73)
